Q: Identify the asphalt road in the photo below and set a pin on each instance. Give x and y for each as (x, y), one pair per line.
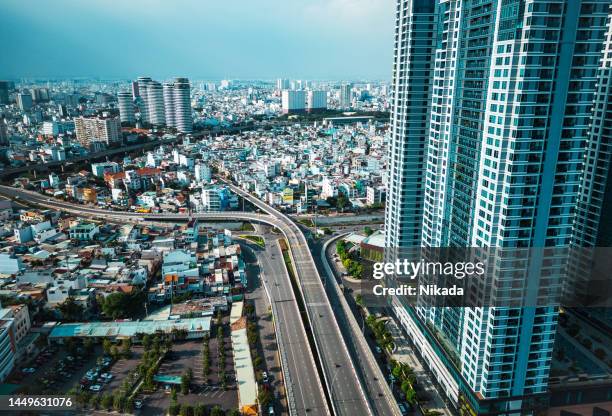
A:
(373, 378)
(305, 393)
(343, 385)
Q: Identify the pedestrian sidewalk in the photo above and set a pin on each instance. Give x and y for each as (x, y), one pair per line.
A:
(404, 353)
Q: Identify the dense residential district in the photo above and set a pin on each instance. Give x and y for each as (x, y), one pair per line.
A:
(168, 303)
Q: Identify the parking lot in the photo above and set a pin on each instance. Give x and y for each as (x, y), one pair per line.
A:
(56, 370)
(123, 367)
(208, 391)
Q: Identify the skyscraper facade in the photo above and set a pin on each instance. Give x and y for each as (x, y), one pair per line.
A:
(126, 107)
(316, 100)
(282, 84)
(293, 101)
(165, 105)
(169, 104)
(492, 112)
(106, 129)
(24, 101)
(155, 104)
(345, 96)
(4, 92)
(182, 105)
(142, 99)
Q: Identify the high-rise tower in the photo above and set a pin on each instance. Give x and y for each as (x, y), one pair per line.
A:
(169, 104)
(492, 102)
(126, 107)
(155, 104)
(142, 98)
(182, 105)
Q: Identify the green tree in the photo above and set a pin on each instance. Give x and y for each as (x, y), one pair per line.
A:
(174, 408)
(186, 381)
(71, 310)
(107, 345)
(411, 397)
(341, 202)
(129, 405)
(123, 305)
(107, 401)
(217, 411)
(186, 410)
(199, 410)
(126, 348)
(94, 401)
(118, 401)
(264, 397)
(146, 341)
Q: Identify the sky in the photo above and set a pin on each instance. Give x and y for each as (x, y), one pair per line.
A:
(201, 39)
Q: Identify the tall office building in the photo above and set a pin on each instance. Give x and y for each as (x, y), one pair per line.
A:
(293, 101)
(126, 107)
(4, 139)
(282, 84)
(24, 101)
(182, 105)
(135, 91)
(492, 105)
(316, 100)
(345, 96)
(106, 129)
(4, 92)
(169, 104)
(155, 104)
(143, 99)
(593, 219)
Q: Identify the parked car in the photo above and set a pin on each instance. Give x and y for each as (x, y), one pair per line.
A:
(271, 410)
(96, 388)
(264, 377)
(138, 404)
(403, 409)
(29, 370)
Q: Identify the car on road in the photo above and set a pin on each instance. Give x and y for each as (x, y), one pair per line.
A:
(271, 410)
(96, 388)
(264, 377)
(378, 350)
(403, 409)
(138, 404)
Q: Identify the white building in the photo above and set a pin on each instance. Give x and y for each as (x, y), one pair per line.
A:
(7, 348)
(202, 172)
(316, 100)
(211, 200)
(155, 104)
(126, 107)
(105, 129)
(293, 101)
(99, 169)
(10, 264)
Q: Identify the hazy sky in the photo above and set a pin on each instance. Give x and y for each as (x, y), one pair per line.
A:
(312, 39)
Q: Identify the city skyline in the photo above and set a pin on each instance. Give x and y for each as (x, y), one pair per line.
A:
(318, 40)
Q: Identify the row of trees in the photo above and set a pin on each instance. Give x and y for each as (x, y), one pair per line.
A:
(222, 357)
(199, 409)
(380, 331)
(349, 260)
(124, 350)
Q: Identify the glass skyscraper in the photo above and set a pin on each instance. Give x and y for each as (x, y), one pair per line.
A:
(494, 103)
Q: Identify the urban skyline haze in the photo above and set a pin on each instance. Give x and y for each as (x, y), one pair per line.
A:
(321, 39)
